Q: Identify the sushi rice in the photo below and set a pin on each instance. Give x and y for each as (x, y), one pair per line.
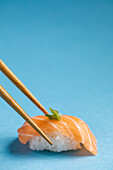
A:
(60, 143)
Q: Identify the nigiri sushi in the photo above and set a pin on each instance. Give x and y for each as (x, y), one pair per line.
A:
(66, 132)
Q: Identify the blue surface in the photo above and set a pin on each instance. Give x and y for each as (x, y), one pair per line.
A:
(63, 52)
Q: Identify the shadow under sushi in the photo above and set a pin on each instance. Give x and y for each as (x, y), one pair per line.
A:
(15, 147)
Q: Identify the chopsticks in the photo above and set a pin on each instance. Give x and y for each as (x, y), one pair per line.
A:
(21, 86)
(6, 96)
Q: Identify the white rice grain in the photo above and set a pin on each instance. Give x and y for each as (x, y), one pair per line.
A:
(60, 143)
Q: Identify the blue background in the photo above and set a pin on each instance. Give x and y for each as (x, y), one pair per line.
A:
(63, 52)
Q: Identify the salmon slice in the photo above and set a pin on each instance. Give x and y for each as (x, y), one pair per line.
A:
(70, 126)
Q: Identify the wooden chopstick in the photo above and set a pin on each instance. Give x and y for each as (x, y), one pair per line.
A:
(4, 94)
(21, 86)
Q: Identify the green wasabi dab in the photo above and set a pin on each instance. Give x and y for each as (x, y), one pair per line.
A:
(55, 115)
